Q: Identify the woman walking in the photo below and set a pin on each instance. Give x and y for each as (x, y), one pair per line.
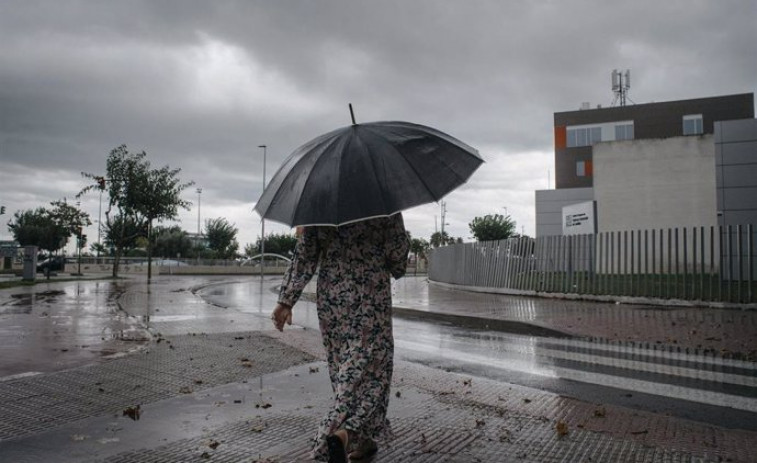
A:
(356, 262)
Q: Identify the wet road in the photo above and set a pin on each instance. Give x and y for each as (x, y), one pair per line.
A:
(702, 388)
(62, 325)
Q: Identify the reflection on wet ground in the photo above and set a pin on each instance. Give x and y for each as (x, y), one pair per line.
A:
(725, 332)
(646, 370)
(58, 325)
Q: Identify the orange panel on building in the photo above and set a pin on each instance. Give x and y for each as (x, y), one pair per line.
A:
(560, 137)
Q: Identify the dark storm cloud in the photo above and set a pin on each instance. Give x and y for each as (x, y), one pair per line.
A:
(199, 85)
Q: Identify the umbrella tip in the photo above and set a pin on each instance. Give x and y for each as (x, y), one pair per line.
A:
(352, 114)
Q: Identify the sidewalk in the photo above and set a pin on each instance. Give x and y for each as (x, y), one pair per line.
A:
(216, 385)
(731, 333)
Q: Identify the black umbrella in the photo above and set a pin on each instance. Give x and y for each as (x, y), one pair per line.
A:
(364, 171)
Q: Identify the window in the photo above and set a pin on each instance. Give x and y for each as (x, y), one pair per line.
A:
(692, 124)
(584, 136)
(624, 132)
(583, 169)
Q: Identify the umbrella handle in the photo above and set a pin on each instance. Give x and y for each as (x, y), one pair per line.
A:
(352, 115)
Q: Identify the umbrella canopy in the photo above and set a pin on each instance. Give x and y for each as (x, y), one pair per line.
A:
(366, 170)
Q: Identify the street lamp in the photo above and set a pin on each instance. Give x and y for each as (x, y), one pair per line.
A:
(262, 220)
(199, 192)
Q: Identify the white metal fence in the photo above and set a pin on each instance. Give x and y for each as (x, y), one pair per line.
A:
(716, 264)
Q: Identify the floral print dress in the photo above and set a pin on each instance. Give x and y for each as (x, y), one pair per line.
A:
(354, 303)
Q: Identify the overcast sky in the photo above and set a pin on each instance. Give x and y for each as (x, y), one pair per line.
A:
(199, 85)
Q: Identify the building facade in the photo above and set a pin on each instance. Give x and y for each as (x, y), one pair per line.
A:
(736, 171)
(646, 165)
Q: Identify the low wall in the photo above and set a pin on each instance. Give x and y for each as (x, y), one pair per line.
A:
(177, 270)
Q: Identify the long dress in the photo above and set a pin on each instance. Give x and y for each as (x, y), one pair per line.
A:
(354, 302)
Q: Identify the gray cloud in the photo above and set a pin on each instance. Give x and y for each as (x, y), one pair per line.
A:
(199, 85)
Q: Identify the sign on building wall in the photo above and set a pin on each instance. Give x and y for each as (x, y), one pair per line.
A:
(579, 219)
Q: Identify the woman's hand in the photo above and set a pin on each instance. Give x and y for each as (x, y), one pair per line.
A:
(281, 314)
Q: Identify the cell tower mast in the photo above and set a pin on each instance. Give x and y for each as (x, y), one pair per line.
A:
(621, 83)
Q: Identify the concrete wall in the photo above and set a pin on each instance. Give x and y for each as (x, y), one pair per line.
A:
(549, 204)
(657, 183)
(650, 120)
(736, 171)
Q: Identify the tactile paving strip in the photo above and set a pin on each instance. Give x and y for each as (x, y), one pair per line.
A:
(494, 440)
(168, 368)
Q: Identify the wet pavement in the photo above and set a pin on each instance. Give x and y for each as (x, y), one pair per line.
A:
(214, 382)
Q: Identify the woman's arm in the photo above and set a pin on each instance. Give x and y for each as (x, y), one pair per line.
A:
(301, 269)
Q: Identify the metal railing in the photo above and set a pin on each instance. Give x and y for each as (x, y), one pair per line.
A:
(713, 264)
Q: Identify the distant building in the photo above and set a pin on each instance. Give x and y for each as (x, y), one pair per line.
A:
(653, 165)
(198, 240)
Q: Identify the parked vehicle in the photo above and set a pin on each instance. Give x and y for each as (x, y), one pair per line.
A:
(52, 264)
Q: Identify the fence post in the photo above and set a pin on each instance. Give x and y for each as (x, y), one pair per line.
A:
(750, 262)
(739, 261)
(685, 263)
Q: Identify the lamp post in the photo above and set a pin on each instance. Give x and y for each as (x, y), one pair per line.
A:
(262, 220)
(78, 241)
(100, 218)
(199, 193)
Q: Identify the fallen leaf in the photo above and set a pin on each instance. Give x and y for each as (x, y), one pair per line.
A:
(528, 401)
(398, 394)
(313, 370)
(133, 412)
(214, 444)
(561, 428)
(263, 405)
(600, 412)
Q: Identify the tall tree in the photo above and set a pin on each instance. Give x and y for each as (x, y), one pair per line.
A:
(158, 197)
(48, 229)
(171, 242)
(36, 227)
(137, 196)
(283, 244)
(70, 218)
(442, 239)
(419, 247)
(221, 237)
(122, 234)
(492, 227)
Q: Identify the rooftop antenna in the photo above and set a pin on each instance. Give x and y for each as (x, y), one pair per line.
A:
(621, 83)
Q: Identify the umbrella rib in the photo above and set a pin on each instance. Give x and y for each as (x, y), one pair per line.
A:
(327, 143)
(410, 164)
(373, 166)
(325, 140)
